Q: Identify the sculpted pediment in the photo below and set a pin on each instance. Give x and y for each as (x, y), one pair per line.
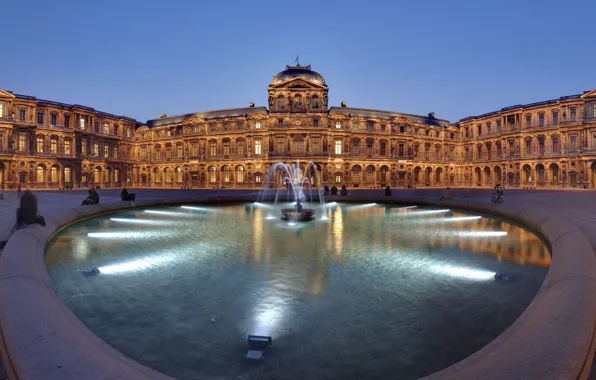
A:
(6, 94)
(193, 120)
(401, 120)
(338, 116)
(257, 116)
(298, 83)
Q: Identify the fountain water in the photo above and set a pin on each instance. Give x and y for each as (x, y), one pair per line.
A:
(298, 186)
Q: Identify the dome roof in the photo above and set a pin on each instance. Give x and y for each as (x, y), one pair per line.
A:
(298, 71)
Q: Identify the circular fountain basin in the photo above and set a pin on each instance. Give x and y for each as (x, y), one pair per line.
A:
(305, 215)
(363, 291)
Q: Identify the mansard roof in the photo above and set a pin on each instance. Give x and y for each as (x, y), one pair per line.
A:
(43, 102)
(378, 114)
(524, 106)
(216, 114)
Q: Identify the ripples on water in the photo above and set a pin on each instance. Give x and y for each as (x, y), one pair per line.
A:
(363, 291)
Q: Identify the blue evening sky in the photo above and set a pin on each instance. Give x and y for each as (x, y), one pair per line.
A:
(140, 58)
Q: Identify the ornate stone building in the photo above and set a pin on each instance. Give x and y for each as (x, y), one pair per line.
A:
(546, 144)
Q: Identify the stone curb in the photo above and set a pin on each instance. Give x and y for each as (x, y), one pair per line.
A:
(40, 338)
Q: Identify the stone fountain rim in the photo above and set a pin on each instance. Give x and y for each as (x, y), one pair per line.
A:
(552, 339)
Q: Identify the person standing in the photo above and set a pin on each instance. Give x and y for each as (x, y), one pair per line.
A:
(19, 188)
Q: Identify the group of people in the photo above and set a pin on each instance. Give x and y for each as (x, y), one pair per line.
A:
(333, 190)
(93, 197)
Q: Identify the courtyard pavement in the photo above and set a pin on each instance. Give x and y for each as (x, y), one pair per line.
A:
(576, 206)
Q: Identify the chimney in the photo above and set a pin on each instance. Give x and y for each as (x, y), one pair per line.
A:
(344, 104)
(251, 104)
(431, 115)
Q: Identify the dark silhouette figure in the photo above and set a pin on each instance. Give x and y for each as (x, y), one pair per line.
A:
(334, 190)
(344, 191)
(92, 199)
(326, 190)
(387, 191)
(28, 213)
(126, 196)
(19, 190)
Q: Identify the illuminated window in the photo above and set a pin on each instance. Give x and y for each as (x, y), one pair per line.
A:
(97, 175)
(96, 150)
(178, 174)
(257, 178)
(106, 128)
(337, 146)
(226, 147)
(106, 150)
(355, 126)
(40, 144)
(212, 174)
(594, 110)
(194, 149)
(40, 174)
(143, 153)
(240, 174)
(258, 125)
(338, 124)
(168, 175)
(54, 145)
(84, 147)
(106, 175)
(82, 122)
(22, 142)
(356, 174)
(116, 175)
(128, 132)
(337, 178)
(226, 174)
(54, 174)
(258, 147)
(115, 152)
(179, 150)
(67, 175)
(168, 152)
(213, 148)
(1, 110)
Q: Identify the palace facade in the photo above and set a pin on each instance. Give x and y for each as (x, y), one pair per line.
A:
(46, 144)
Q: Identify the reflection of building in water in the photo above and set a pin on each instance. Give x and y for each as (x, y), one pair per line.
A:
(520, 245)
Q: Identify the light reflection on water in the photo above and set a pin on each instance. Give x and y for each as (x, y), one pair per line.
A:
(373, 275)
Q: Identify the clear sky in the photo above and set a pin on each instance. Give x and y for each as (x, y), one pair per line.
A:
(141, 58)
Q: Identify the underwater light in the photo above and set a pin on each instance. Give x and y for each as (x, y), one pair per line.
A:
(134, 265)
(196, 208)
(452, 219)
(171, 213)
(405, 207)
(331, 204)
(291, 224)
(463, 272)
(481, 233)
(123, 234)
(141, 221)
(425, 212)
(270, 217)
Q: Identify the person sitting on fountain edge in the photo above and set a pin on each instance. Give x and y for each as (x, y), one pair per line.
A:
(326, 190)
(344, 191)
(92, 199)
(126, 196)
(334, 190)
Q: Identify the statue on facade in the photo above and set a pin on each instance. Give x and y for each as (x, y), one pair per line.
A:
(270, 100)
(325, 100)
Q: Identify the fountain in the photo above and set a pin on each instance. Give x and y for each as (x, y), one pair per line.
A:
(292, 177)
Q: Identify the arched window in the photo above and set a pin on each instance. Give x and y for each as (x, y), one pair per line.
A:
(227, 175)
(280, 102)
(178, 174)
(168, 175)
(315, 101)
(117, 175)
(67, 175)
(157, 176)
(97, 175)
(212, 174)
(54, 174)
(240, 174)
(213, 148)
(369, 174)
(369, 146)
(106, 175)
(226, 147)
(356, 174)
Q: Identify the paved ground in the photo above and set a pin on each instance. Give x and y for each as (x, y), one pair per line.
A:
(576, 206)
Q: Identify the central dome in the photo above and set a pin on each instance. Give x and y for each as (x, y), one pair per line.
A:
(298, 71)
